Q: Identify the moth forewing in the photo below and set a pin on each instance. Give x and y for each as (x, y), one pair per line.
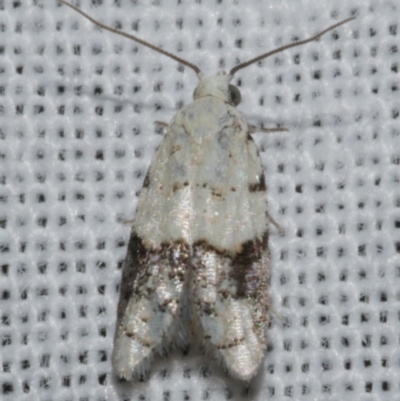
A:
(199, 239)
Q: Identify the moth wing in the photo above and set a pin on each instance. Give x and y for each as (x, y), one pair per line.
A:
(205, 181)
(230, 305)
(229, 278)
(203, 199)
(149, 305)
(149, 310)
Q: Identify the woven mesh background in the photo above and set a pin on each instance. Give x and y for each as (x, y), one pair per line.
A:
(77, 107)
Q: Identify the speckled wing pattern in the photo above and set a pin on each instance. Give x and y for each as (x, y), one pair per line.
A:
(197, 261)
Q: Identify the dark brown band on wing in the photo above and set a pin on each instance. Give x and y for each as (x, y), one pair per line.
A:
(243, 261)
(258, 186)
(243, 264)
(146, 182)
(135, 259)
(136, 266)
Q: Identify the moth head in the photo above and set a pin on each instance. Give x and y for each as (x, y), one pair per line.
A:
(217, 86)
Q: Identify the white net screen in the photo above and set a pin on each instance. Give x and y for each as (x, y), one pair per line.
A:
(77, 134)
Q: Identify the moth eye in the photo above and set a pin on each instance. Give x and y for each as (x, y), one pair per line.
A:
(236, 97)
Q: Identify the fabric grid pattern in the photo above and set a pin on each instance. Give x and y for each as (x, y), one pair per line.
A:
(77, 134)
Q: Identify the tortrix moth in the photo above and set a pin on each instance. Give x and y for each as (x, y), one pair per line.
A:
(197, 262)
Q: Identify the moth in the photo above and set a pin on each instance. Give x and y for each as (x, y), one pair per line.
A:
(197, 264)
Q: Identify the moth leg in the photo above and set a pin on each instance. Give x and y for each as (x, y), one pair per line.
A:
(161, 124)
(230, 305)
(161, 127)
(253, 129)
(275, 224)
(128, 222)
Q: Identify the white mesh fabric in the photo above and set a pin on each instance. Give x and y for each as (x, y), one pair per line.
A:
(77, 107)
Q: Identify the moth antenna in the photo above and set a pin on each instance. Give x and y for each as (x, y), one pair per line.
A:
(285, 47)
(134, 38)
